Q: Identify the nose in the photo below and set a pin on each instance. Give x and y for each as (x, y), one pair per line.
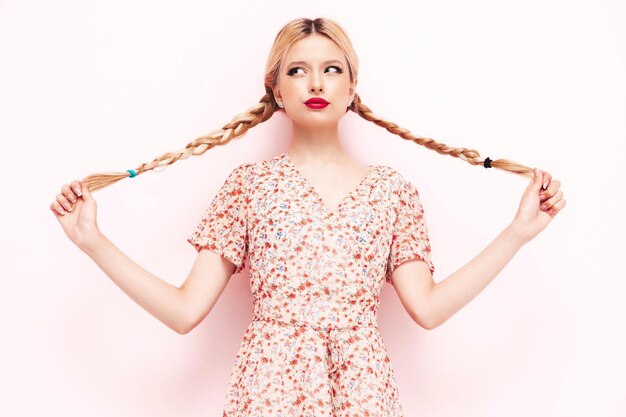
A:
(316, 83)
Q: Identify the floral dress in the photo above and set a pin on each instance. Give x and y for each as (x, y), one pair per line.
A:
(313, 348)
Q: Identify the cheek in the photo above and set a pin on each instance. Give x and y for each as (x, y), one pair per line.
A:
(293, 89)
(339, 89)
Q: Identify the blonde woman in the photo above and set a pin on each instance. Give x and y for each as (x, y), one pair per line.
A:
(320, 233)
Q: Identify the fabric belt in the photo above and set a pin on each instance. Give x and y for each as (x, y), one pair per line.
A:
(328, 333)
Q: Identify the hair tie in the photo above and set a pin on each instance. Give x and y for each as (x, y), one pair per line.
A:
(487, 163)
(132, 173)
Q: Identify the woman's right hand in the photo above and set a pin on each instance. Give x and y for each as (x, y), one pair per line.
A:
(79, 224)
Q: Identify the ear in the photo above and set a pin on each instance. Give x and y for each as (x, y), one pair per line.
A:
(277, 95)
(352, 91)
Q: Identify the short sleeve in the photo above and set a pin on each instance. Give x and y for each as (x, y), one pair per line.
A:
(410, 232)
(223, 228)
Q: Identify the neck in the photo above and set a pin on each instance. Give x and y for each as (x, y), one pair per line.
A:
(316, 145)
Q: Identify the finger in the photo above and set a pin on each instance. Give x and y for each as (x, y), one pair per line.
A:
(76, 186)
(536, 184)
(86, 192)
(547, 193)
(546, 205)
(557, 207)
(553, 187)
(67, 192)
(64, 203)
(546, 180)
(55, 206)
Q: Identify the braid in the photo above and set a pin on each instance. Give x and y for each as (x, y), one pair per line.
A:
(469, 155)
(260, 113)
(267, 106)
(237, 127)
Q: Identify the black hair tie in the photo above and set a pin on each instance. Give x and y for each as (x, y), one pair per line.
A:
(487, 163)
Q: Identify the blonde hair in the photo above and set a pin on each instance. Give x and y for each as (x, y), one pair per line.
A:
(239, 125)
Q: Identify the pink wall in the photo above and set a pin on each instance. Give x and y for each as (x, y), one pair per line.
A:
(104, 86)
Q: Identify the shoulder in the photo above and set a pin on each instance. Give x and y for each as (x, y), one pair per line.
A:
(401, 190)
(250, 169)
(265, 169)
(392, 177)
(390, 171)
(254, 175)
(238, 179)
(240, 173)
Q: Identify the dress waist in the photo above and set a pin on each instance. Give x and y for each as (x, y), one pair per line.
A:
(330, 334)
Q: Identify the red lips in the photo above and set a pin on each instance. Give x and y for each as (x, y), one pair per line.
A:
(316, 103)
(316, 100)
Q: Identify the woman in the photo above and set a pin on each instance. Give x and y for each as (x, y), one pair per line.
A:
(321, 232)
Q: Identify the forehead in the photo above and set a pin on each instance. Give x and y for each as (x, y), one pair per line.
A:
(313, 49)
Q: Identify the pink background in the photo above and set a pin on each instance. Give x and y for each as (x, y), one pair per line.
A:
(104, 86)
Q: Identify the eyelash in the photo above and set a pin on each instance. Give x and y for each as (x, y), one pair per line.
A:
(339, 70)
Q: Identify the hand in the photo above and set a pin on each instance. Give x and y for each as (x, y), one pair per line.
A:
(79, 224)
(538, 206)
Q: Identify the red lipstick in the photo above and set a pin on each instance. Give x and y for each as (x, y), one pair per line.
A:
(316, 103)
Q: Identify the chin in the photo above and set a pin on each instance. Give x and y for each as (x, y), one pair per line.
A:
(316, 119)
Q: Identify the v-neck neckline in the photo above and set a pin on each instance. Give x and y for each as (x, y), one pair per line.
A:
(328, 212)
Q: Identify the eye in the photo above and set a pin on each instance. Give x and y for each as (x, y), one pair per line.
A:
(292, 70)
(339, 70)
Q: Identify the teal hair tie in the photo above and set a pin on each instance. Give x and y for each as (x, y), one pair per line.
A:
(132, 173)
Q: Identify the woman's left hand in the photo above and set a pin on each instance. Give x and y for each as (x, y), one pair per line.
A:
(538, 206)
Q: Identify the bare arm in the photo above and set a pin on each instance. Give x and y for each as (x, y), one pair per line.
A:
(161, 299)
(448, 296)
(181, 309)
(430, 304)
(538, 206)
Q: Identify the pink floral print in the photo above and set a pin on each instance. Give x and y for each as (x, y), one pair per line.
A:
(313, 348)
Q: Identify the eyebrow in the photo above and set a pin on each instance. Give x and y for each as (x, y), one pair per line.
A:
(305, 63)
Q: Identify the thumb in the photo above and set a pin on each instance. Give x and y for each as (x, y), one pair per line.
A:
(537, 180)
(86, 192)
